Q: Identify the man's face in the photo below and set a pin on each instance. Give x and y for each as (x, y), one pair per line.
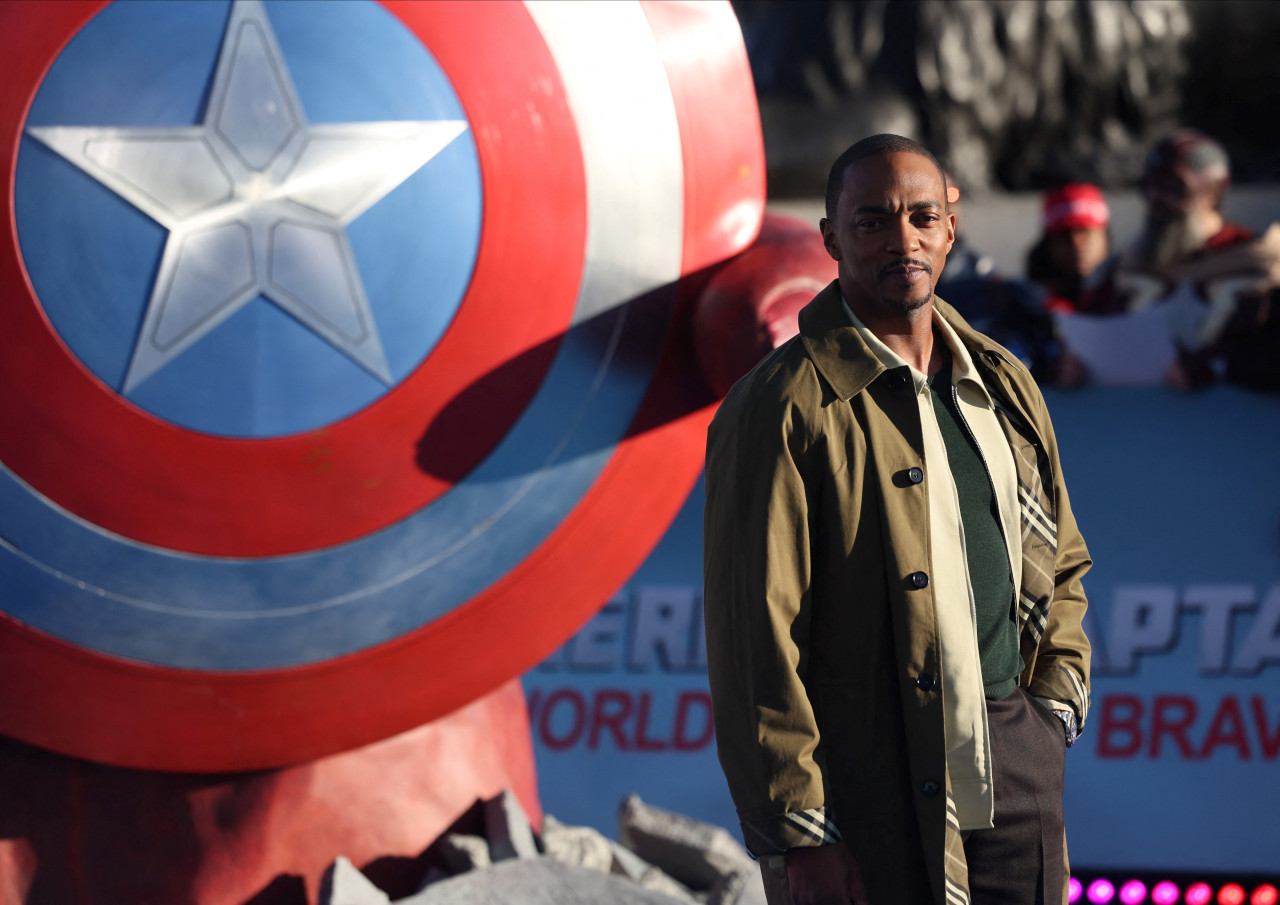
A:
(1178, 202)
(1177, 192)
(1078, 251)
(890, 234)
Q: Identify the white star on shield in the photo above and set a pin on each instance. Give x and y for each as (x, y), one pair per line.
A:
(256, 201)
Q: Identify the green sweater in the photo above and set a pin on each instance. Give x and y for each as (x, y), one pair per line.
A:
(988, 557)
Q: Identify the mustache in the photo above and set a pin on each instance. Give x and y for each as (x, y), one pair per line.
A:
(906, 262)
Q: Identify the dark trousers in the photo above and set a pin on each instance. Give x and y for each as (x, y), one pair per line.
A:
(1020, 860)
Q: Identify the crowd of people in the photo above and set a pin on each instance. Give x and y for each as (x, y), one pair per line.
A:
(1190, 301)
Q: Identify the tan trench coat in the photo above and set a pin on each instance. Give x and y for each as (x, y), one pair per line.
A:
(823, 653)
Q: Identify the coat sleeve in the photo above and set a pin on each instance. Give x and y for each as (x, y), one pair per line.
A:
(1061, 668)
(757, 570)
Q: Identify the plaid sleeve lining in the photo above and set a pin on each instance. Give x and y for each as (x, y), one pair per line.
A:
(797, 829)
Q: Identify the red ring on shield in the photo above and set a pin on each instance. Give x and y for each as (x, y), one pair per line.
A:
(96, 455)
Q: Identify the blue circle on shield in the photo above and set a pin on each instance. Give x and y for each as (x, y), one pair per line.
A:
(300, 354)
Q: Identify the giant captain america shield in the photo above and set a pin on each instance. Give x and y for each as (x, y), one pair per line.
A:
(342, 352)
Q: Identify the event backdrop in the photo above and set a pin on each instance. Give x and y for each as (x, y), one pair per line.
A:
(1179, 501)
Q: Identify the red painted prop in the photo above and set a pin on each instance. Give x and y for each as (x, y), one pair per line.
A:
(750, 305)
(76, 833)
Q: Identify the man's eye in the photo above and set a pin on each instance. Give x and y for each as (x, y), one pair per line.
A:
(869, 223)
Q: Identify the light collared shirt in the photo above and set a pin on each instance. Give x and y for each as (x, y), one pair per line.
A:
(964, 703)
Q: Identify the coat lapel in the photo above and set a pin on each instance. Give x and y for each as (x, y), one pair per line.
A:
(835, 347)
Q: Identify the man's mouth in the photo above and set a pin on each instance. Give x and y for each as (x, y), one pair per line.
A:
(907, 267)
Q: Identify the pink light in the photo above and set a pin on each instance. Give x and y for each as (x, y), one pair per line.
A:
(1101, 892)
(1266, 894)
(1133, 892)
(1231, 894)
(1165, 893)
(1075, 889)
(1199, 894)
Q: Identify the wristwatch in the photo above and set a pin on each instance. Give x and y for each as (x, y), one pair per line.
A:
(1072, 728)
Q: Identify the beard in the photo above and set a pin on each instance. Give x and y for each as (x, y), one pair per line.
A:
(905, 305)
(1164, 245)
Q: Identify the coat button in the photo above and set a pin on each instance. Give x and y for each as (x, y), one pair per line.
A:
(924, 681)
(897, 380)
(919, 580)
(915, 475)
(930, 788)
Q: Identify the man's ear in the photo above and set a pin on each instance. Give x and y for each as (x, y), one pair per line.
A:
(829, 238)
(951, 230)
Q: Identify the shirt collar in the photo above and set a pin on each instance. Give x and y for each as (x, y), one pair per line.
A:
(962, 369)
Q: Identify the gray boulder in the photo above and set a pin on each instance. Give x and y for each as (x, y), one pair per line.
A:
(344, 884)
(462, 853)
(540, 881)
(699, 855)
(507, 828)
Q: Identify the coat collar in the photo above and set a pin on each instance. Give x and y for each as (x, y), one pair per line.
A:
(843, 358)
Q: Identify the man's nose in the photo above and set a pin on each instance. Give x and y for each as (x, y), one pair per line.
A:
(903, 236)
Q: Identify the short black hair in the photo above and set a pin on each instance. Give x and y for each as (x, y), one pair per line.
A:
(875, 146)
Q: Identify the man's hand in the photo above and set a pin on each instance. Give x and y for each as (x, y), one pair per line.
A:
(825, 875)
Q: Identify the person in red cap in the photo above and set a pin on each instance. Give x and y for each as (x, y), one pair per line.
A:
(1219, 284)
(1074, 243)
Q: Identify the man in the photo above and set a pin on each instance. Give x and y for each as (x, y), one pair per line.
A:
(877, 488)
(1214, 278)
